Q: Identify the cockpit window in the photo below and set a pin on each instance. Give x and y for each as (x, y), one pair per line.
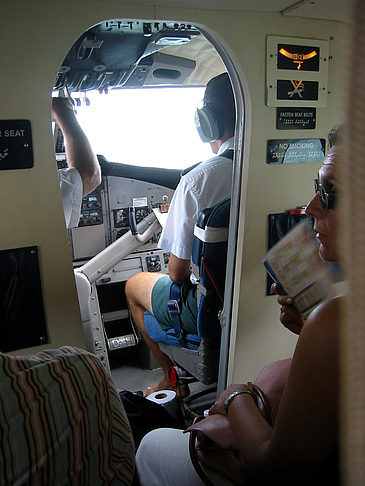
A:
(150, 127)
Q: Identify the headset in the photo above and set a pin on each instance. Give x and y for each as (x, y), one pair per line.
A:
(209, 125)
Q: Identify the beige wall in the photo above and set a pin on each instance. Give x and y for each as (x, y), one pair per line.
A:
(34, 41)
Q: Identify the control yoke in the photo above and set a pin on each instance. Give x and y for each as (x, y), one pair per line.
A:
(133, 225)
(114, 253)
(87, 275)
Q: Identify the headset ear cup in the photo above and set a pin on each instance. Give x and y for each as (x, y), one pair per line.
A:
(208, 125)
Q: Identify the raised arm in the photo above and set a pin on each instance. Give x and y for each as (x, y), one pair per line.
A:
(79, 153)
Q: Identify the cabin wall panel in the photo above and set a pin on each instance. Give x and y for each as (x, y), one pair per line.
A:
(260, 337)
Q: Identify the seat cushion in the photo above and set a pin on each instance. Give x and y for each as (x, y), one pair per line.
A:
(161, 295)
(167, 336)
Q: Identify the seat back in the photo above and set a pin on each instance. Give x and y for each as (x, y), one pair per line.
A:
(209, 258)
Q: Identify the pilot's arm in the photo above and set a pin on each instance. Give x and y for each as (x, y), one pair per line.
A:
(79, 153)
(179, 269)
(178, 232)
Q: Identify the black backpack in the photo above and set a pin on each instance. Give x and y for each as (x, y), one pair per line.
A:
(144, 415)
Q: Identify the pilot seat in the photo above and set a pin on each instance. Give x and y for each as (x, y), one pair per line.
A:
(196, 356)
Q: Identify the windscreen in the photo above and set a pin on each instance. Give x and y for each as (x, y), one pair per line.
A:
(151, 127)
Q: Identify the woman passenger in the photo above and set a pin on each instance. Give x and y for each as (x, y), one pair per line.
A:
(302, 447)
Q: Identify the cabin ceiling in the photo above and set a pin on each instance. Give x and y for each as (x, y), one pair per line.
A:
(319, 9)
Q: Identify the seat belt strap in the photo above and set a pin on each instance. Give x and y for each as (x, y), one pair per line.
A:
(212, 278)
(173, 307)
(227, 153)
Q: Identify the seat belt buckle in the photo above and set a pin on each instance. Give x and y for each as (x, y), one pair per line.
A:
(173, 306)
(174, 311)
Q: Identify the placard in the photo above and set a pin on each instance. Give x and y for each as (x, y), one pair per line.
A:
(295, 118)
(297, 57)
(296, 72)
(16, 147)
(289, 151)
(297, 90)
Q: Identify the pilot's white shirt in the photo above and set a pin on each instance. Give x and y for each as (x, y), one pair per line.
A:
(204, 186)
(71, 192)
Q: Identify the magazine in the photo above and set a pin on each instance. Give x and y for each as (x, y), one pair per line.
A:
(294, 263)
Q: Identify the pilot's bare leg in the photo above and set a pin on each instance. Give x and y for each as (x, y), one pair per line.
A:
(139, 290)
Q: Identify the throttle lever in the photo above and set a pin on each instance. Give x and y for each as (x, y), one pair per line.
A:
(132, 220)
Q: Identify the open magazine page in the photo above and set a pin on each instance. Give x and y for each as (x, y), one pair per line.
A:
(294, 263)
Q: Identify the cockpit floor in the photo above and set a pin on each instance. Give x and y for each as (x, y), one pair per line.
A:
(133, 378)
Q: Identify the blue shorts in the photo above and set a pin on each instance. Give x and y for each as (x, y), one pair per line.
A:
(189, 310)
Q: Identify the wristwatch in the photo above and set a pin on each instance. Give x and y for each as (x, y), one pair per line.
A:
(233, 395)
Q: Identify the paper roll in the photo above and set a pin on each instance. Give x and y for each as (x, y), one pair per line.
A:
(162, 397)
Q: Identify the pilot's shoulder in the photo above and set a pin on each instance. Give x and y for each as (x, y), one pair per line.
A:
(213, 164)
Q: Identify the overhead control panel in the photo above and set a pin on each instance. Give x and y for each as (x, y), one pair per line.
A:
(93, 61)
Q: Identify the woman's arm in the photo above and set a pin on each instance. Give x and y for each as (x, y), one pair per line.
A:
(305, 432)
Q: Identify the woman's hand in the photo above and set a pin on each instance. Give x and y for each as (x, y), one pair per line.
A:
(289, 315)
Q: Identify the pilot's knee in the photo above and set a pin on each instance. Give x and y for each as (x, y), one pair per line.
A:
(133, 288)
(140, 285)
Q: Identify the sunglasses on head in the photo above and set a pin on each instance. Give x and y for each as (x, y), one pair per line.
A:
(327, 197)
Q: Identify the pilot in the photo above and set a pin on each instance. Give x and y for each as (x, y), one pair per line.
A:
(83, 173)
(204, 186)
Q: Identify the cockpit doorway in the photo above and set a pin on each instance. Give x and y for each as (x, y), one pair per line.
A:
(135, 87)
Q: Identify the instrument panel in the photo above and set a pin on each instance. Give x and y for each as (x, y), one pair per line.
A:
(104, 213)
